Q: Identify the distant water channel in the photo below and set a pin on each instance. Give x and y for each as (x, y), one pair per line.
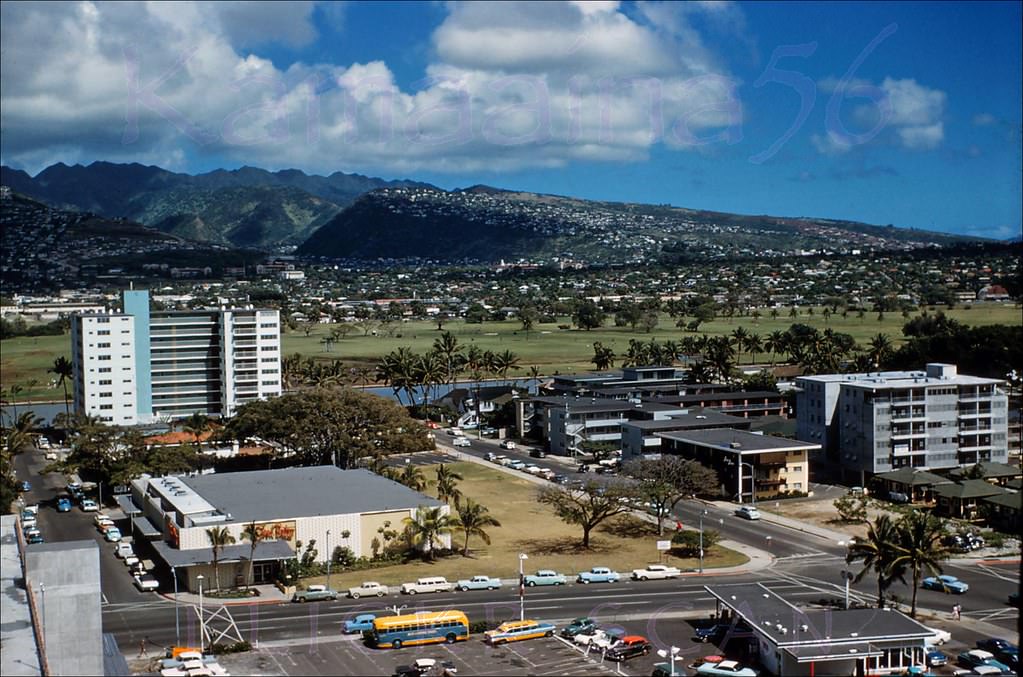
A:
(49, 410)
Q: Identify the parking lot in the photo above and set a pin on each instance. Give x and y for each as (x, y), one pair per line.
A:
(347, 655)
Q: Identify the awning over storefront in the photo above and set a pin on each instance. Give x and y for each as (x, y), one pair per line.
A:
(266, 551)
(143, 526)
(127, 505)
(830, 652)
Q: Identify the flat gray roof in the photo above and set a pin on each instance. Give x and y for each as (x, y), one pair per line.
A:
(590, 405)
(266, 495)
(700, 418)
(782, 622)
(240, 552)
(732, 440)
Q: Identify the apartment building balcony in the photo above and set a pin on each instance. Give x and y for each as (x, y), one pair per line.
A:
(178, 333)
(243, 320)
(181, 321)
(908, 400)
(245, 343)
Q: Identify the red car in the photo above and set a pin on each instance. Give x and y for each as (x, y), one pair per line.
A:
(630, 647)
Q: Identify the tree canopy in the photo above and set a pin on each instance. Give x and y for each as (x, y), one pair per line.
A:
(323, 426)
(666, 481)
(589, 506)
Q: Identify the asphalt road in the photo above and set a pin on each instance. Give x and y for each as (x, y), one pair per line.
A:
(806, 570)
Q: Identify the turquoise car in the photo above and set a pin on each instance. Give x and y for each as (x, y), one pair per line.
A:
(545, 577)
(361, 623)
(598, 575)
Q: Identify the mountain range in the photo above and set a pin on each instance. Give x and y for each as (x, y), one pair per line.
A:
(246, 207)
(358, 217)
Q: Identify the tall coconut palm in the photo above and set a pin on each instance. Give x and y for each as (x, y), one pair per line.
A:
(877, 552)
(64, 371)
(472, 520)
(603, 357)
(219, 538)
(254, 536)
(196, 425)
(427, 525)
(880, 349)
(739, 338)
(504, 362)
(430, 370)
(447, 481)
(447, 346)
(919, 548)
(774, 344)
(413, 478)
(754, 344)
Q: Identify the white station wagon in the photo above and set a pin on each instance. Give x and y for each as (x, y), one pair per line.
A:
(428, 584)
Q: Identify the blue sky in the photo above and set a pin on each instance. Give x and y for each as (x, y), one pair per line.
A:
(645, 102)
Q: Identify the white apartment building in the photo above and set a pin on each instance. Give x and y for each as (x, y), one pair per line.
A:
(175, 362)
(103, 356)
(876, 422)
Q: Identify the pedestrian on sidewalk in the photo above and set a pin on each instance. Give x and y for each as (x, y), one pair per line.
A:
(143, 653)
(957, 612)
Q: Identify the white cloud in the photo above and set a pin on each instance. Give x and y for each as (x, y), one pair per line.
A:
(908, 113)
(513, 85)
(984, 120)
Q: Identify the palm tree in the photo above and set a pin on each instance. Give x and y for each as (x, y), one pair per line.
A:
(775, 343)
(14, 391)
(754, 344)
(196, 424)
(447, 346)
(427, 525)
(254, 536)
(413, 478)
(472, 519)
(603, 357)
(774, 313)
(739, 338)
(504, 362)
(219, 538)
(64, 372)
(877, 552)
(446, 484)
(919, 548)
(880, 349)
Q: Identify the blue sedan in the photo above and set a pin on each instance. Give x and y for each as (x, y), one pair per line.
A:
(360, 623)
(63, 504)
(936, 659)
(24, 485)
(947, 584)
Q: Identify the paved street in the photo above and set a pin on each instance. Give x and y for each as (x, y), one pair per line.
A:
(306, 637)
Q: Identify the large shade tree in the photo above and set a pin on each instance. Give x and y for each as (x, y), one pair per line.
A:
(589, 506)
(324, 426)
(666, 481)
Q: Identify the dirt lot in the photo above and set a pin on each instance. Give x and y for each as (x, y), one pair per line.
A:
(821, 512)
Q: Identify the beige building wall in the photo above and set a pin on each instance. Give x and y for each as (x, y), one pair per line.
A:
(371, 523)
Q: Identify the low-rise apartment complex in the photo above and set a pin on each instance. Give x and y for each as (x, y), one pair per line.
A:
(142, 365)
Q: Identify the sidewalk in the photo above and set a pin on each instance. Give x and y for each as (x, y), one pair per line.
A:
(789, 523)
(268, 594)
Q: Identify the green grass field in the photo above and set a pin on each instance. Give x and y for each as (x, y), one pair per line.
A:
(23, 360)
(624, 544)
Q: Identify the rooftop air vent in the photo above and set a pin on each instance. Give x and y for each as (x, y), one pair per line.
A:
(735, 445)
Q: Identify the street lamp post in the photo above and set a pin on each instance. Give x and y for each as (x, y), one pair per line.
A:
(329, 558)
(522, 587)
(670, 654)
(753, 480)
(703, 513)
(202, 619)
(847, 575)
(177, 614)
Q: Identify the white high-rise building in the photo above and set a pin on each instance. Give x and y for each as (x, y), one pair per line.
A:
(141, 365)
(877, 422)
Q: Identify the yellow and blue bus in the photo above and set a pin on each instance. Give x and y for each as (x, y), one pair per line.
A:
(430, 627)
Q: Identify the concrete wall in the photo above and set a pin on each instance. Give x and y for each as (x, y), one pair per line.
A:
(70, 606)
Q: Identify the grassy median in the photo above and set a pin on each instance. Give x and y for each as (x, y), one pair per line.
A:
(624, 543)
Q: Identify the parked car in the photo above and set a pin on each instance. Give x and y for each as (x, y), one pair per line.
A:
(607, 639)
(51, 455)
(936, 658)
(544, 577)
(995, 644)
(946, 584)
(533, 469)
(455, 432)
(368, 589)
(89, 505)
(507, 444)
(976, 657)
(560, 479)
(490, 456)
(28, 519)
(360, 623)
(516, 631)
(748, 511)
(598, 575)
(654, 572)
(105, 525)
(666, 670)
(898, 497)
(146, 582)
(577, 626)
(538, 453)
(726, 669)
(427, 584)
(478, 583)
(131, 560)
(938, 638)
(712, 632)
(1009, 656)
(33, 536)
(314, 593)
(630, 647)
(516, 465)
(113, 535)
(122, 550)
(502, 460)
(63, 504)
(462, 442)
(24, 485)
